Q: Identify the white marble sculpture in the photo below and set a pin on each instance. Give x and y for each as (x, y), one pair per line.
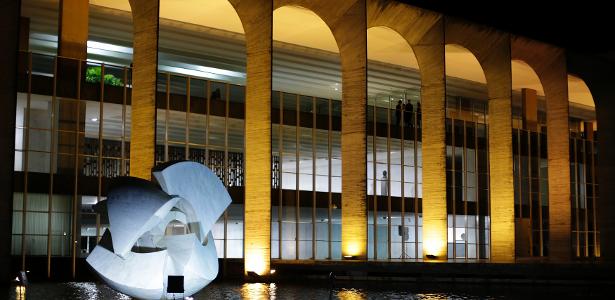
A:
(139, 250)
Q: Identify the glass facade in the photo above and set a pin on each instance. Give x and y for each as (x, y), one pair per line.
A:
(306, 183)
(72, 133)
(584, 190)
(394, 177)
(202, 121)
(467, 178)
(530, 181)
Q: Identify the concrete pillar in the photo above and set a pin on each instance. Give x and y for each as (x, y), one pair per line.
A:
(424, 31)
(549, 63)
(256, 17)
(351, 34)
(492, 49)
(9, 31)
(501, 193)
(73, 31)
(558, 155)
(145, 65)
(430, 54)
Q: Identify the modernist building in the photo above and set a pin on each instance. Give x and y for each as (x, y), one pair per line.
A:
(344, 130)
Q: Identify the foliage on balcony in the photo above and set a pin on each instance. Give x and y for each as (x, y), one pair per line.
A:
(93, 75)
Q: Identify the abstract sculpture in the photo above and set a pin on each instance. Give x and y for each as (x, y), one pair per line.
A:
(155, 233)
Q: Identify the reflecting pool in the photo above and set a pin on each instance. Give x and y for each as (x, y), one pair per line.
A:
(321, 290)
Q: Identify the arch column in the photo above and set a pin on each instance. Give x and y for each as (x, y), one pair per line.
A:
(424, 31)
(549, 63)
(257, 19)
(599, 78)
(348, 23)
(350, 31)
(145, 67)
(492, 49)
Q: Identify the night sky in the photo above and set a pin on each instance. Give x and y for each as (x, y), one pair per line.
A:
(586, 26)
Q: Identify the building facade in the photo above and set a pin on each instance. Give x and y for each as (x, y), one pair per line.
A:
(343, 130)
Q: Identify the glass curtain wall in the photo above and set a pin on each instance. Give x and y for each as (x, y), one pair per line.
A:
(72, 133)
(394, 172)
(203, 121)
(306, 183)
(467, 178)
(531, 186)
(584, 189)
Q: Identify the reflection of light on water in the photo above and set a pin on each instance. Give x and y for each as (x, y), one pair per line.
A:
(272, 289)
(123, 297)
(20, 293)
(258, 291)
(87, 289)
(351, 294)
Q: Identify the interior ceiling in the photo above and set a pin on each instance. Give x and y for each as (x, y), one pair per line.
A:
(300, 26)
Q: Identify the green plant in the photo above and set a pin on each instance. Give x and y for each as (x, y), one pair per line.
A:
(92, 75)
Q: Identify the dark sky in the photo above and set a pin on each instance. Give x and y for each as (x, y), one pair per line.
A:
(586, 26)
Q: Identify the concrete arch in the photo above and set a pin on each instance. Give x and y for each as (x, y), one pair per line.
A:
(296, 27)
(391, 36)
(256, 19)
(549, 63)
(220, 14)
(461, 63)
(304, 28)
(599, 78)
(385, 45)
(421, 29)
(524, 77)
(424, 32)
(331, 12)
(578, 91)
(492, 49)
(347, 21)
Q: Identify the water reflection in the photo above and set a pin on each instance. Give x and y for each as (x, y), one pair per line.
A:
(317, 290)
(351, 294)
(257, 291)
(20, 293)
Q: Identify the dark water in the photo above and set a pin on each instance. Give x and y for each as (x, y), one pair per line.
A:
(321, 290)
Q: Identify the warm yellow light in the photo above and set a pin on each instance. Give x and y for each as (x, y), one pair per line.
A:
(256, 291)
(272, 271)
(256, 261)
(435, 247)
(350, 294)
(352, 249)
(20, 292)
